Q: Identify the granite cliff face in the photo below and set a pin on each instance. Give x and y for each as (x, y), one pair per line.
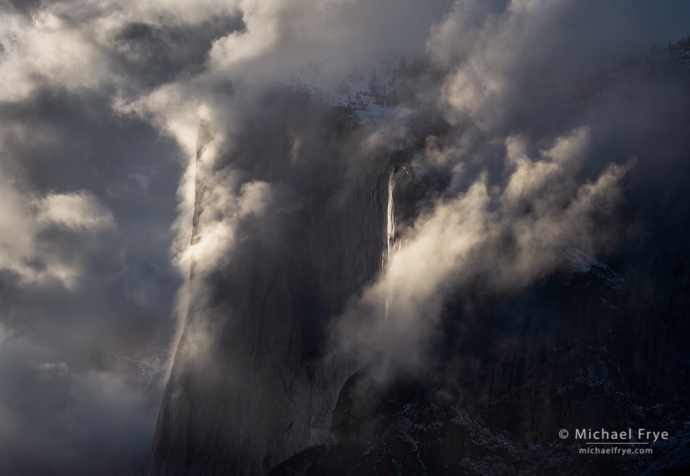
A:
(577, 350)
(261, 391)
(593, 343)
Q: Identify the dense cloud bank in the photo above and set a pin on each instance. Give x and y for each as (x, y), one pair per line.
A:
(540, 120)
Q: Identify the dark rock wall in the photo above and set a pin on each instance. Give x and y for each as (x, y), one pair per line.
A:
(597, 344)
(593, 345)
(263, 391)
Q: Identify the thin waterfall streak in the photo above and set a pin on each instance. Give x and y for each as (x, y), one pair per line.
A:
(390, 216)
(390, 235)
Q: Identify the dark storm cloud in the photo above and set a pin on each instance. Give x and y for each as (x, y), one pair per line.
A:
(154, 54)
(88, 200)
(502, 65)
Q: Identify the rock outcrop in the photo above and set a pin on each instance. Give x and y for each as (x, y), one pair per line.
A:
(260, 390)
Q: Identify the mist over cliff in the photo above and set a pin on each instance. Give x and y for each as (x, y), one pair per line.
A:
(341, 237)
(411, 225)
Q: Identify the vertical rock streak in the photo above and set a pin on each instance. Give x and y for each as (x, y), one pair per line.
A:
(390, 236)
(262, 389)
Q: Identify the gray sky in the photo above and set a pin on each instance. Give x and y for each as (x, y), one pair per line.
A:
(100, 104)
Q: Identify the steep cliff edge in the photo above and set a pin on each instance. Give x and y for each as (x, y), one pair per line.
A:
(569, 353)
(586, 344)
(258, 390)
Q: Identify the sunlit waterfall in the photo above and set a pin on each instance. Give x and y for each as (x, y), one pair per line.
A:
(390, 235)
